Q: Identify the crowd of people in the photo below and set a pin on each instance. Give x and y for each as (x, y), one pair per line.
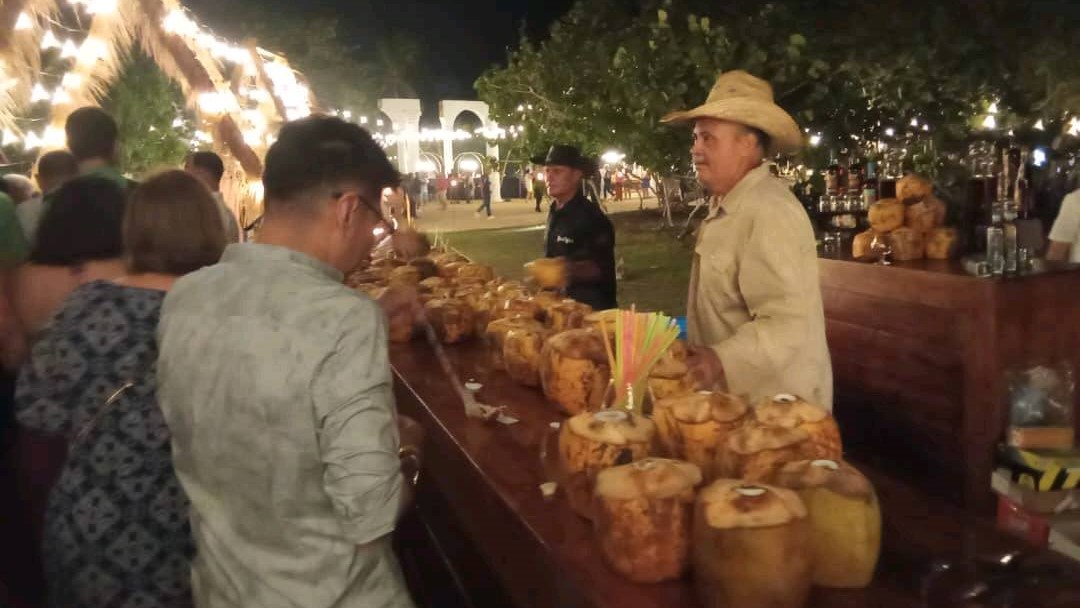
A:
(220, 414)
(141, 352)
(417, 190)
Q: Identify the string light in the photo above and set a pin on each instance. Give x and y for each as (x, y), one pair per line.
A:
(91, 50)
(1039, 126)
(216, 104)
(178, 23)
(71, 80)
(69, 50)
(61, 97)
(990, 122)
(31, 141)
(54, 137)
(50, 41)
(1074, 126)
(39, 93)
(815, 140)
(99, 7)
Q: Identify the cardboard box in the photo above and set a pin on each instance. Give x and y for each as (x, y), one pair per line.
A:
(1041, 470)
(1044, 503)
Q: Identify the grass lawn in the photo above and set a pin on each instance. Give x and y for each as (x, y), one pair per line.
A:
(656, 267)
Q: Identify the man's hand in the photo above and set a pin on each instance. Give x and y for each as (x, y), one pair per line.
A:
(401, 299)
(411, 452)
(705, 367)
(410, 431)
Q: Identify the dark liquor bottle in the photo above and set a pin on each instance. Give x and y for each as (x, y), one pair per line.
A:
(870, 184)
(832, 176)
(856, 174)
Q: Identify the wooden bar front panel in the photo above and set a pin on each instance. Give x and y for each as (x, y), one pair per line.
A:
(920, 352)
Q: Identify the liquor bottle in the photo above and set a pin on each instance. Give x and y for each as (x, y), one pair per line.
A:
(842, 165)
(832, 175)
(995, 242)
(1008, 228)
(995, 232)
(1022, 187)
(870, 185)
(855, 174)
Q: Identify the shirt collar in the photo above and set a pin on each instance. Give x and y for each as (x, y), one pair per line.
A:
(730, 203)
(261, 252)
(577, 200)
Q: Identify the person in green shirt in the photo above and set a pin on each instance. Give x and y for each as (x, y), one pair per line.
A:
(13, 247)
(93, 138)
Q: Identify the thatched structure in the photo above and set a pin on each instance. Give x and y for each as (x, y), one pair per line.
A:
(240, 93)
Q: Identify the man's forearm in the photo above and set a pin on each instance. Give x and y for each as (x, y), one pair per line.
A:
(1058, 251)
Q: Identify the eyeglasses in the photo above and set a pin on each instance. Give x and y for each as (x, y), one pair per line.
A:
(382, 226)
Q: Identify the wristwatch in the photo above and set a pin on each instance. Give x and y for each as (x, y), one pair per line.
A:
(411, 455)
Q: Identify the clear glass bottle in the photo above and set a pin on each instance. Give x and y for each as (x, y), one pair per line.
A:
(995, 241)
(1008, 228)
(1022, 187)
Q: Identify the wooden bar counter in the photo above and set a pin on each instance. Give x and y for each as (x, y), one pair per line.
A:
(479, 498)
(919, 353)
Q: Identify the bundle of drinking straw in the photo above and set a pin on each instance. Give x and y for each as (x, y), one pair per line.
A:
(639, 342)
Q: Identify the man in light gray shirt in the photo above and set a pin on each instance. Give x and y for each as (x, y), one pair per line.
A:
(275, 382)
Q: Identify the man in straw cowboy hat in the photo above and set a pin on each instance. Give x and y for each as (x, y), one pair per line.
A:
(577, 228)
(756, 323)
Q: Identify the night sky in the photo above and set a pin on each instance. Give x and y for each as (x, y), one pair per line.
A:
(460, 39)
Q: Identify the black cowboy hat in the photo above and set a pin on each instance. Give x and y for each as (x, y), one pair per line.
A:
(566, 156)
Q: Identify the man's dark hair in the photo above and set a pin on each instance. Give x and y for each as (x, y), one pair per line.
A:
(209, 162)
(82, 223)
(56, 167)
(322, 152)
(91, 133)
(763, 139)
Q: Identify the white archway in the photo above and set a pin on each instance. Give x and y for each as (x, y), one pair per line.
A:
(449, 110)
(405, 116)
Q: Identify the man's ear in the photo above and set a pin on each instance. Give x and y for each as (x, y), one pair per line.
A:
(346, 209)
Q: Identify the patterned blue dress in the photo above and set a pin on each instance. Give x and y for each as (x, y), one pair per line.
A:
(116, 526)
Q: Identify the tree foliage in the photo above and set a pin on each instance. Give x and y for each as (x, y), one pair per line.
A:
(145, 103)
(611, 68)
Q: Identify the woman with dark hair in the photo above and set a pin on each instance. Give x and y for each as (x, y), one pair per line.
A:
(78, 241)
(116, 526)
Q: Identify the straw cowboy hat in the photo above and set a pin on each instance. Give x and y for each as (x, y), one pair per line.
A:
(741, 97)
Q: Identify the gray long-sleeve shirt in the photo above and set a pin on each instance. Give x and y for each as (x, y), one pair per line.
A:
(275, 383)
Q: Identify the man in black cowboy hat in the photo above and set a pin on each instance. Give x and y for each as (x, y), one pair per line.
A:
(578, 230)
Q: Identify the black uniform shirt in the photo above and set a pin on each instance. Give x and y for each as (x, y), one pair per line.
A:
(580, 231)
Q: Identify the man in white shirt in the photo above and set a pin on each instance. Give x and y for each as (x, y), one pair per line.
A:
(209, 168)
(1065, 235)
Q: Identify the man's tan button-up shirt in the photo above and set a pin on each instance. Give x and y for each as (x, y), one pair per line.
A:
(754, 293)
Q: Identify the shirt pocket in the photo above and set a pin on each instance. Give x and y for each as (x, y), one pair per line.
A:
(719, 276)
